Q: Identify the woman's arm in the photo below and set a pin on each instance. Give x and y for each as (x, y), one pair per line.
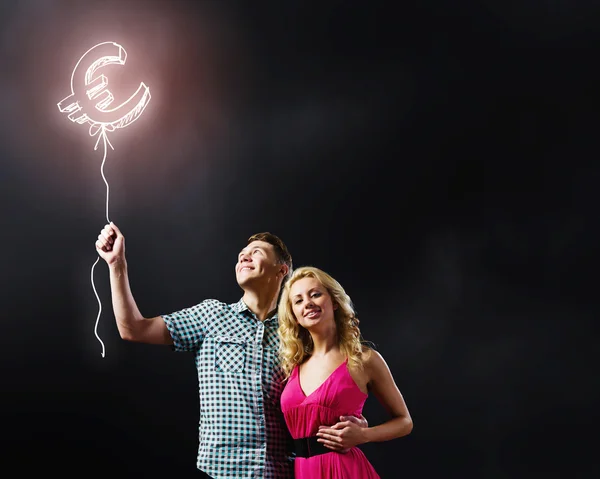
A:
(381, 383)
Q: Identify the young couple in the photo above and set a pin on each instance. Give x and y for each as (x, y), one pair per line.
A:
(283, 374)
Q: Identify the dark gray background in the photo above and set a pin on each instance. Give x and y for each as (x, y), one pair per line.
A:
(438, 158)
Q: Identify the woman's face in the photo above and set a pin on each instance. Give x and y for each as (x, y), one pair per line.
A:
(312, 303)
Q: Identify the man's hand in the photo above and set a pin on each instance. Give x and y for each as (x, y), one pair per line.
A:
(111, 244)
(360, 420)
(342, 436)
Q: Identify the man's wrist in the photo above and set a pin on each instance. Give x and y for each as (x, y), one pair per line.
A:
(119, 266)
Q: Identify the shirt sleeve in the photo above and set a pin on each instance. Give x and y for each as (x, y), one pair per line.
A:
(188, 326)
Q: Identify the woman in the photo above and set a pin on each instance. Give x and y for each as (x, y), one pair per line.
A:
(330, 372)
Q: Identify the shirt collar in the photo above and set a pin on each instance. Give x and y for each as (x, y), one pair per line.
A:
(240, 307)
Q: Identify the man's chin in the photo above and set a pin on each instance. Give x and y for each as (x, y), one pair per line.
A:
(245, 281)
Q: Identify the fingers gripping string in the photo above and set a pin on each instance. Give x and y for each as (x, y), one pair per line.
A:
(101, 132)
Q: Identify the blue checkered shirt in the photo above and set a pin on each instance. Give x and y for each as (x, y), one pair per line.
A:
(242, 432)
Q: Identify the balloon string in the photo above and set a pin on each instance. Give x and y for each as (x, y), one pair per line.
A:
(99, 307)
(106, 142)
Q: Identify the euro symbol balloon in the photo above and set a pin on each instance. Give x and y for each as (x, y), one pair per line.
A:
(90, 102)
(90, 99)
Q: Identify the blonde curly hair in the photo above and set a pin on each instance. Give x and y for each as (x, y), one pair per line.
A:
(295, 341)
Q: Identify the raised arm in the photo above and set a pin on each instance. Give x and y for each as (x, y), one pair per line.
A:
(131, 324)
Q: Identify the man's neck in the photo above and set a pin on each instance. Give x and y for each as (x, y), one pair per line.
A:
(262, 305)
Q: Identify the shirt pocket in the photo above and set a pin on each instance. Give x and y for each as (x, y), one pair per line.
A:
(230, 354)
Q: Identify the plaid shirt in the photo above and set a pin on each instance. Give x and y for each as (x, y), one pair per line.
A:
(242, 430)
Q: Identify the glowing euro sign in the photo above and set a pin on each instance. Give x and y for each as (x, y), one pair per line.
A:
(90, 98)
(89, 102)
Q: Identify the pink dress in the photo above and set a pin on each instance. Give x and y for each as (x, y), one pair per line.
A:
(337, 396)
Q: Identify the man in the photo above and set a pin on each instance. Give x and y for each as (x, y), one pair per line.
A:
(242, 433)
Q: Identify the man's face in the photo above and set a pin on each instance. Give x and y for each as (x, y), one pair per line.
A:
(257, 262)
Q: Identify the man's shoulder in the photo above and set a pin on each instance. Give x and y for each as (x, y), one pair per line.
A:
(204, 307)
(213, 303)
(216, 306)
(217, 303)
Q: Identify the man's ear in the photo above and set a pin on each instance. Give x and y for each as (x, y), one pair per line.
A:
(284, 270)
